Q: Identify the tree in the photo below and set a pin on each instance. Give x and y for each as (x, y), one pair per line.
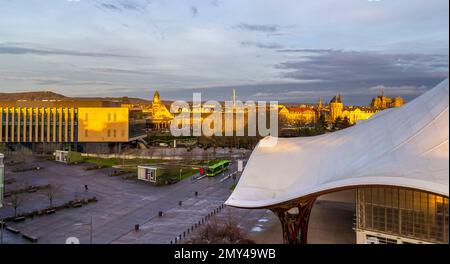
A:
(51, 193)
(17, 200)
(337, 124)
(346, 123)
(321, 125)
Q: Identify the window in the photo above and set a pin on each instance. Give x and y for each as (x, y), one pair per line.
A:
(86, 133)
(115, 117)
(109, 117)
(86, 117)
(109, 132)
(114, 133)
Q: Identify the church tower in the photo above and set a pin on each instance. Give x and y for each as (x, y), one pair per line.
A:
(336, 107)
(156, 97)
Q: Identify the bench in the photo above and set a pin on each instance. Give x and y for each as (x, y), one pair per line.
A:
(12, 230)
(32, 190)
(30, 238)
(50, 211)
(19, 219)
(77, 204)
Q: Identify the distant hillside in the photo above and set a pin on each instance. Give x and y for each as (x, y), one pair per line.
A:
(30, 96)
(47, 95)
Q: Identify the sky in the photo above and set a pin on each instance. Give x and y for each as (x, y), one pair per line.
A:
(291, 51)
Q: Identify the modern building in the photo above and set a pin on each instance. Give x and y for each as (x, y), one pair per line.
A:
(65, 123)
(147, 173)
(395, 215)
(2, 178)
(398, 161)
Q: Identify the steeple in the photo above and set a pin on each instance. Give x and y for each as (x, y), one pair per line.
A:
(234, 98)
(156, 97)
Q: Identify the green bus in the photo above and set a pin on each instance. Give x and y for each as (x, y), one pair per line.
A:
(217, 168)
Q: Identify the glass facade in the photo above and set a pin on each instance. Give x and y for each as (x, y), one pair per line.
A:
(403, 212)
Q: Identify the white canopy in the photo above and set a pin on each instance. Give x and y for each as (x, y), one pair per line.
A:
(406, 146)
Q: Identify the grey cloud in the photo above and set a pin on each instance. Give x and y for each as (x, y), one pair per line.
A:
(261, 45)
(21, 50)
(307, 50)
(257, 28)
(336, 65)
(51, 80)
(123, 5)
(194, 11)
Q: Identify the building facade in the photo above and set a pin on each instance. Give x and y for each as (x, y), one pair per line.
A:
(160, 116)
(383, 102)
(297, 115)
(63, 124)
(392, 215)
(359, 113)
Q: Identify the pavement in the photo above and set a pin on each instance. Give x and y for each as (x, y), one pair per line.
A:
(124, 203)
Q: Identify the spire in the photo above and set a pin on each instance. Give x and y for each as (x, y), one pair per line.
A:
(156, 97)
(234, 98)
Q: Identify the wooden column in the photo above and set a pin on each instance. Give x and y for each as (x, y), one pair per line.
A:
(294, 219)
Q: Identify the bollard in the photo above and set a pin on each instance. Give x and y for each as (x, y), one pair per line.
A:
(196, 193)
(184, 234)
(136, 227)
(160, 213)
(180, 203)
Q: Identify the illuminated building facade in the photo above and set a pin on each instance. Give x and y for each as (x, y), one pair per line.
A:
(298, 115)
(391, 215)
(161, 117)
(64, 123)
(383, 102)
(357, 113)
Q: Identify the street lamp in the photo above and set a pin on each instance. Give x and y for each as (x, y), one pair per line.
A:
(2, 227)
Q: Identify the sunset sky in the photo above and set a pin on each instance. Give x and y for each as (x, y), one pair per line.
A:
(268, 50)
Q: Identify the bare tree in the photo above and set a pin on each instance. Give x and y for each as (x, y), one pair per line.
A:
(17, 200)
(51, 192)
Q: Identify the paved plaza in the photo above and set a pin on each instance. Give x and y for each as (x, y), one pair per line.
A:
(124, 203)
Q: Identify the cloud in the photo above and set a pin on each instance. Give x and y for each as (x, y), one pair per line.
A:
(22, 50)
(257, 28)
(124, 5)
(52, 80)
(194, 11)
(337, 65)
(261, 45)
(306, 50)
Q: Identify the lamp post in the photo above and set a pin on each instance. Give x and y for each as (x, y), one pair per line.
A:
(2, 227)
(181, 170)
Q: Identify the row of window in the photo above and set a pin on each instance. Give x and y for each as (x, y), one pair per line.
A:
(408, 213)
(36, 125)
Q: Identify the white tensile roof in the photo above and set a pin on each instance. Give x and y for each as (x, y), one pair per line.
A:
(406, 146)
